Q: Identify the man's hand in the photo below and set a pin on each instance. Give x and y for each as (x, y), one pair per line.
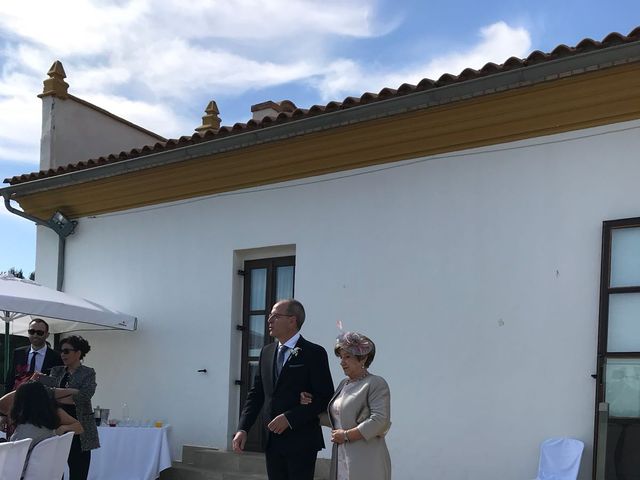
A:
(278, 424)
(305, 398)
(239, 439)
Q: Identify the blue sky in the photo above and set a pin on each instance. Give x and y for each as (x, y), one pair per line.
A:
(159, 62)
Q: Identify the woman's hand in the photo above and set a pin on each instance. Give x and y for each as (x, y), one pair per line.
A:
(341, 436)
(338, 436)
(305, 398)
(36, 376)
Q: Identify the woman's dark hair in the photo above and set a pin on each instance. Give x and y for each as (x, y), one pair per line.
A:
(78, 343)
(33, 404)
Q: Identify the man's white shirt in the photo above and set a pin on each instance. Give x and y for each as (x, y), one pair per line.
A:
(290, 344)
(39, 357)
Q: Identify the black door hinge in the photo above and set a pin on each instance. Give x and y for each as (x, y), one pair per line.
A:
(241, 273)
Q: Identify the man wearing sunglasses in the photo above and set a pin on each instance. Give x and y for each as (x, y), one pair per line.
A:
(36, 357)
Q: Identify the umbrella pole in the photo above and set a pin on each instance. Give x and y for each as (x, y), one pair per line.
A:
(7, 347)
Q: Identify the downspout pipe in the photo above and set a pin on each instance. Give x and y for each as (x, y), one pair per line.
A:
(59, 224)
(63, 228)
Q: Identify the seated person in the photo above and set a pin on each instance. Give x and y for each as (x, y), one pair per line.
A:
(34, 414)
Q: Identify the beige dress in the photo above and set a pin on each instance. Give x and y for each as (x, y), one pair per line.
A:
(364, 404)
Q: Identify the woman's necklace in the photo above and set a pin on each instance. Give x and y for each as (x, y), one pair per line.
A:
(357, 379)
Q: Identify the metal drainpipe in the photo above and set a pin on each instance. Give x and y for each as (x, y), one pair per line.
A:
(62, 235)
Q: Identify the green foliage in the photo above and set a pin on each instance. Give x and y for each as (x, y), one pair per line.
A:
(18, 273)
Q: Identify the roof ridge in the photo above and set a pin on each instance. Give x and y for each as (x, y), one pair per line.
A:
(536, 57)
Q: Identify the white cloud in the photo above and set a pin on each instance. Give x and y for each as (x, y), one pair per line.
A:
(498, 42)
(152, 61)
(20, 120)
(147, 60)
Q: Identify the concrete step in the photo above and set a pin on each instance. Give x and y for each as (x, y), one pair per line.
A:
(222, 461)
(187, 472)
(206, 463)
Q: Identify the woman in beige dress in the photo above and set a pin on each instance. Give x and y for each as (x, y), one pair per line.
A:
(358, 414)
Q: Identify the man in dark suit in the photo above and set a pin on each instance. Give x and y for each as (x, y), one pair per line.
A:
(287, 367)
(37, 357)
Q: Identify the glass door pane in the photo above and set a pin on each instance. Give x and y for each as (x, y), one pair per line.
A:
(622, 393)
(258, 288)
(624, 323)
(622, 387)
(256, 334)
(284, 282)
(625, 257)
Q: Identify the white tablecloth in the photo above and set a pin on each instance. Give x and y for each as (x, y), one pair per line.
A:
(130, 453)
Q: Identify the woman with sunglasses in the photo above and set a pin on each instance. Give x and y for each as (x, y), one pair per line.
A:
(76, 384)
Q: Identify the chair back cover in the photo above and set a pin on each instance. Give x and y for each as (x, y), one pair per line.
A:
(62, 454)
(12, 457)
(560, 459)
(42, 460)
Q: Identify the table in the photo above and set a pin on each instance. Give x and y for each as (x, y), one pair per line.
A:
(130, 453)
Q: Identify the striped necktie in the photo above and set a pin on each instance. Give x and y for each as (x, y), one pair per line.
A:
(280, 360)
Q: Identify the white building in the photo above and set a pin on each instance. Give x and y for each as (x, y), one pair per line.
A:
(458, 223)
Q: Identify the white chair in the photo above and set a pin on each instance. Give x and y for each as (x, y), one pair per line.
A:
(42, 460)
(560, 459)
(62, 454)
(12, 457)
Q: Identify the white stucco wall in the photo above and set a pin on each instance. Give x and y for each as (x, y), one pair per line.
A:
(476, 274)
(74, 132)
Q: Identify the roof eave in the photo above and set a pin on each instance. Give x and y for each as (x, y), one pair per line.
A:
(498, 82)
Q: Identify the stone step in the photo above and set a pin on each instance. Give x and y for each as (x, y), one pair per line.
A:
(206, 463)
(187, 472)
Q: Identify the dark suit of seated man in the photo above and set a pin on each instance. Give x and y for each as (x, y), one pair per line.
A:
(37, 357)
(287, 367)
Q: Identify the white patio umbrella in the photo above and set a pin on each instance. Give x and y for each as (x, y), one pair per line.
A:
(23, 300)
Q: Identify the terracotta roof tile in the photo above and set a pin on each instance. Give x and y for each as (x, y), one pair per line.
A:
(426, 84)
(289, 111)
(402, 89)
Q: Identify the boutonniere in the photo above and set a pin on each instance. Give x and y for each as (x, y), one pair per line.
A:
(295, 351)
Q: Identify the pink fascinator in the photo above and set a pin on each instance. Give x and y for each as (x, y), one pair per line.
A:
(354, 343)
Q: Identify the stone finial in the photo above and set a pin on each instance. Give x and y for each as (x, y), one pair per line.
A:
(55, 85)
(211, 121)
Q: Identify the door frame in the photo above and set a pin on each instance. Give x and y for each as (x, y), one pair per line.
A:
(603, 328)
(254, 440)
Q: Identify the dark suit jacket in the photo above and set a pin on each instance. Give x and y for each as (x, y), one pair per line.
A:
(307, 371)
(20, 356)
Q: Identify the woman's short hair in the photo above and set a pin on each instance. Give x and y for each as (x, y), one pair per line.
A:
(35, 405)
(78, 343)
(356, 344)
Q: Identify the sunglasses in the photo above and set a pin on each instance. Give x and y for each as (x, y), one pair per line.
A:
(67, 351)
(40, 333)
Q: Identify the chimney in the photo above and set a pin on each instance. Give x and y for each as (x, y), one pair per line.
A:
(271, 109)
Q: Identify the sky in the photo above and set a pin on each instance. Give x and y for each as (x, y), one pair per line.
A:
(158, 63)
